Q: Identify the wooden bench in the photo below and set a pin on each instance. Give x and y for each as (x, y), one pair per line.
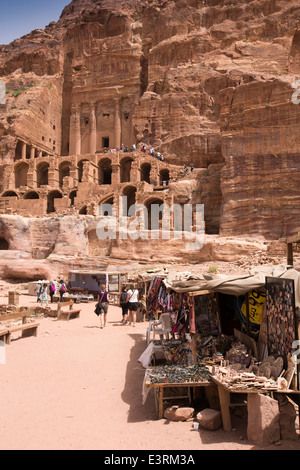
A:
(27, 329)
(67, 314)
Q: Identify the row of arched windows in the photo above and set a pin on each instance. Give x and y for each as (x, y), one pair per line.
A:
(52, 195)
(101, 175)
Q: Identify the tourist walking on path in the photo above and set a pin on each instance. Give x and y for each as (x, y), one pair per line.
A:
(103, 300)
(124, 305)
(52, 290)
(62, 291)
(44, 294)
(38, 289)
(133, 304)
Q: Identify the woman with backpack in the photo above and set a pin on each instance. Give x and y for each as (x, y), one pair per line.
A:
(103, 302)
(133, 303)
(124, 305)
(62, 290)
(52, 290)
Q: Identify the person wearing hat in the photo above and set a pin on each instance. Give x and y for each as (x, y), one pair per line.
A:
(38, 289)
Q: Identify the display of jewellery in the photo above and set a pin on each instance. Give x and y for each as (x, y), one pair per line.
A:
(178, 374)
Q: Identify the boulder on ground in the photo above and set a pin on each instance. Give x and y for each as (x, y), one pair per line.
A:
(210, 419)
(263, 420)
(176, 413)
(287, 418)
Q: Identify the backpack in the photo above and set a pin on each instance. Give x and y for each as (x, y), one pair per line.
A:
(52, 288)
(123, 298)
(62, 289)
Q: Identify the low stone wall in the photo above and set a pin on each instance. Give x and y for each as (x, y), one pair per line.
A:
(8, 309)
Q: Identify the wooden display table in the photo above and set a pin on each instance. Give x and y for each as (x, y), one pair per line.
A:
(224, 396)
(160, 388)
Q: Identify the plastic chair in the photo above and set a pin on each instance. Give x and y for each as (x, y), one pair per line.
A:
(151, 325)
(162, 327)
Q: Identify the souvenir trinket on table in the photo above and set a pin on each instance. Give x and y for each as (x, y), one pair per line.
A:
(177, 374)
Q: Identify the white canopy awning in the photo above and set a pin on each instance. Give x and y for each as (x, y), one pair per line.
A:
(232, 285)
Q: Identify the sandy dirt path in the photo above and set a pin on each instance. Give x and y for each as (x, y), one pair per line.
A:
(78, 387)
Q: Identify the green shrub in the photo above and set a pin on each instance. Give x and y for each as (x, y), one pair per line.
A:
(213, 269)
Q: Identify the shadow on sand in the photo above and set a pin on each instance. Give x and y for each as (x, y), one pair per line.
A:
(132, 393)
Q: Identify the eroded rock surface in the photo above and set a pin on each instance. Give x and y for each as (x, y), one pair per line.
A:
(203, 82)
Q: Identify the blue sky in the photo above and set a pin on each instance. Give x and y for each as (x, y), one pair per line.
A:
(19, 17)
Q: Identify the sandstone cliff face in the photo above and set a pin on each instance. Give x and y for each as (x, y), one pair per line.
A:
(67, 242)
(208, 82)
(260, 180)
(174, 57)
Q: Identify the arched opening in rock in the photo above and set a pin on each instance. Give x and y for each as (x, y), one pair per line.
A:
(64, 171)
(18, 151)
(72, 196)
(83, 211)
(80, 170)
(125, 170)
(9, 194)
(164, 177)
(31, 195)
(145, 172)
(104, 171)
(51, 201)
(154, 213)
(21, 172)
(130, 194)
(106, 208)
(42, 174)
(4, 245)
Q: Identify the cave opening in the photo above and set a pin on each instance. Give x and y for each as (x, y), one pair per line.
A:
(4, 245)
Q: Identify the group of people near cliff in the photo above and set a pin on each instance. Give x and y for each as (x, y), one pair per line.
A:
(44, 291)
(158, 155)
(186, 170)
(129, 303)
(134, 148)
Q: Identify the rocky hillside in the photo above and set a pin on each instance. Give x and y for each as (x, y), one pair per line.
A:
(213, 83)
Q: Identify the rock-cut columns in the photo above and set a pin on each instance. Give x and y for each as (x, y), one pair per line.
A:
(117, 124)
(93, 129)
(75, 146)
(24, 150)
(75, 131)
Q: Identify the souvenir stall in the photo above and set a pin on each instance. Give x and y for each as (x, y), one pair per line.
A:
(156, 301)
(90, 282)
(234, 332)
(142, 282)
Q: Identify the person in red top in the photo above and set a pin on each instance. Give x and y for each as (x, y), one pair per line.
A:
(103, 299)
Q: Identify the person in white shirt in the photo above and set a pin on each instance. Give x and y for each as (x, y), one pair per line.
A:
(133, 303)
(44, 294)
